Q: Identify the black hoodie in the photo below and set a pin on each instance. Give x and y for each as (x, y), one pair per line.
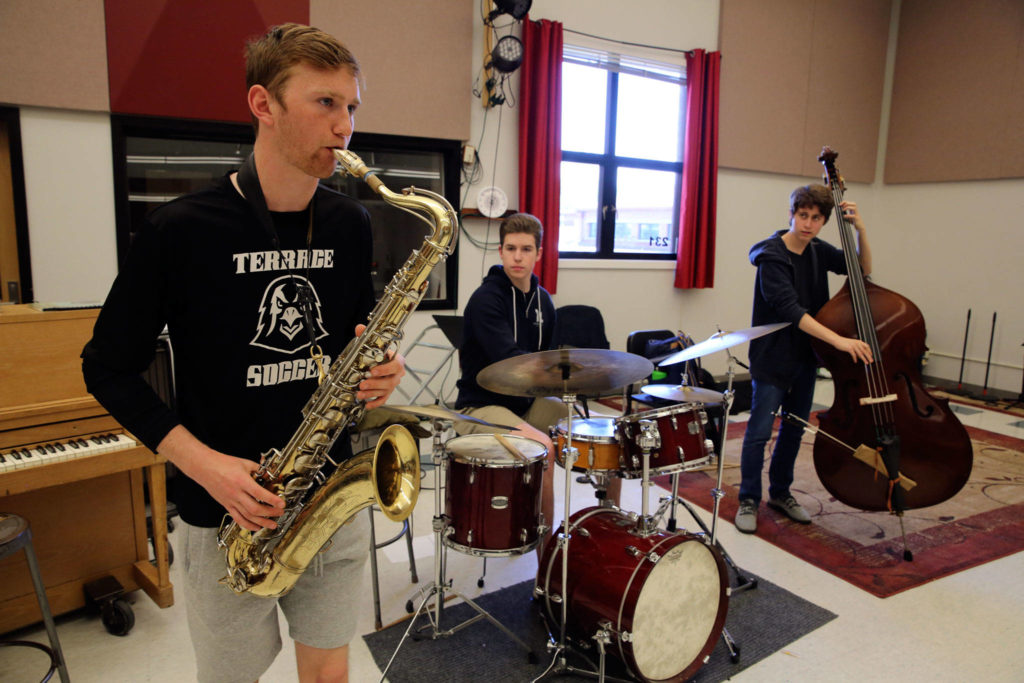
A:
(502, 321)
(777, 357)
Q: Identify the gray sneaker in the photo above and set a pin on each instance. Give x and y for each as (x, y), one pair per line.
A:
(746, 516)
(789, 507)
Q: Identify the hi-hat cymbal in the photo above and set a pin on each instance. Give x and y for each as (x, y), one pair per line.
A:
(720, 341)
(683, 393)
(442, 413)
(587, 372)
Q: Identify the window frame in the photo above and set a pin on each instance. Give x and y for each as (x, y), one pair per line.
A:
(609, 163)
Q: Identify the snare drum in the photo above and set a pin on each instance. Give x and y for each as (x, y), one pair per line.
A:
(594, 438)
(683, 445)
(663, 595)
(492, 501)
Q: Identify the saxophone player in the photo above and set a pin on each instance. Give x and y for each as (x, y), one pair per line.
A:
(261, 280)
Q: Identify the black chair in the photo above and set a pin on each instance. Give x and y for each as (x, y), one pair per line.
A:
(581, 327)
(636, 343)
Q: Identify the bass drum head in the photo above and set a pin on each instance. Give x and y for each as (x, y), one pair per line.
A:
(679, 613)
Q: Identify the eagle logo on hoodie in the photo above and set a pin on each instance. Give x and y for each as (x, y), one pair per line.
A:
(281, 325)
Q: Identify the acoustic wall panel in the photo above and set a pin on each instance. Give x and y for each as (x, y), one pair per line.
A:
(53, 54)
(799, 74)
(416, 57)
(183, 58)
(958, 92)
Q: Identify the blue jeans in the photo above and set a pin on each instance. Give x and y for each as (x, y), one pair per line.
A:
(767, 398)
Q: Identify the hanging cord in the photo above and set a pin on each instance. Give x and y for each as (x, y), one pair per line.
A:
(624, 42)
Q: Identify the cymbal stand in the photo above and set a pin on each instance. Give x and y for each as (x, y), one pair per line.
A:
(744, 582)
(559, 661)
(440, 586)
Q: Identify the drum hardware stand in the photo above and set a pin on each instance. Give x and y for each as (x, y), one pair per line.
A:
(649, 440)
(559, 662)
(598, 480)
(440, 586)
(744, 582)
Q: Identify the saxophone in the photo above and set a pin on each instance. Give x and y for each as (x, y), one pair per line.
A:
(268, 562)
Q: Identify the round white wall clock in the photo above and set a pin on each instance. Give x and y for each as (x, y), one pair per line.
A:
(492, 202)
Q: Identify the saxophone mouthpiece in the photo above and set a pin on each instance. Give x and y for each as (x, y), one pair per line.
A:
(350, 163)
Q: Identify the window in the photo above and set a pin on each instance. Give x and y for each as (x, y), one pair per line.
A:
(622, 150)
(156, 160)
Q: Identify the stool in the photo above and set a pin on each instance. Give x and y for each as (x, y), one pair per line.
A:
(15, 535)
(374, 547)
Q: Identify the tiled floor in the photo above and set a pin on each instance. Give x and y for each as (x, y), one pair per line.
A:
(967, 626)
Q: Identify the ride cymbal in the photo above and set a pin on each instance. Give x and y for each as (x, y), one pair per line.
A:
(683, 393)
(586, 372)
(720, 341)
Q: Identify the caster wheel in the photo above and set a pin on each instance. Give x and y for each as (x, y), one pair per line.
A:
(735, 656)
(479, 583)
(408, 606)
(118, 617)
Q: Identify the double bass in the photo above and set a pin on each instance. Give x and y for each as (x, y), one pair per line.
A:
(918, 452)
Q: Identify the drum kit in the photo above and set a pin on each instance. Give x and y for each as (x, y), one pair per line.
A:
(608, 580)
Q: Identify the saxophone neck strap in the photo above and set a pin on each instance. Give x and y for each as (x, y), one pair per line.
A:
(249, 182)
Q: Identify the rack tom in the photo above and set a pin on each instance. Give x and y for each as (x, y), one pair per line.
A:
(683, 444)
(594, 438)
(492, 500)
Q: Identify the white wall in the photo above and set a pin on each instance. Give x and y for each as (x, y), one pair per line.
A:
(947, 247)
(69, 181)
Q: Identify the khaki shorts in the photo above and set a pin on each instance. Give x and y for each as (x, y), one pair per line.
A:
(543, 414)
(237, 637)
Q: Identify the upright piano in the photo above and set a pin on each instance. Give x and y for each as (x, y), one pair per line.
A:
(72, 471)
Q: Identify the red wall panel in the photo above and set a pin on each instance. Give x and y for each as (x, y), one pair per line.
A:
(183, 58)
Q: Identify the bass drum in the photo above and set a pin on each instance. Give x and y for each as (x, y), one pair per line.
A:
(664, 595)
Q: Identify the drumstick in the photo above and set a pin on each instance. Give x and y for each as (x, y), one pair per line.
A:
(510, 447)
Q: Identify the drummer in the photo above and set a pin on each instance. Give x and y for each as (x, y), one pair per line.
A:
(510, 314)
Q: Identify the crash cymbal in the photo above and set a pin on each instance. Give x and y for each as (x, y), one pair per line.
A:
(683, 393)
(588, 372)
(442, 413)
(720, 341)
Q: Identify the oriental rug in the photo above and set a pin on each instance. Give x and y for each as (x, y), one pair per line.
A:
(983, 522)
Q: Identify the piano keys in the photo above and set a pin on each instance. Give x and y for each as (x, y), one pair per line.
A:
(34, 455)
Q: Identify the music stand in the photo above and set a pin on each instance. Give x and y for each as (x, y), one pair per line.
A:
(451, 327)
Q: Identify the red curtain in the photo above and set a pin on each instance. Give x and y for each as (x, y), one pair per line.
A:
(695, 251)
(540, 137)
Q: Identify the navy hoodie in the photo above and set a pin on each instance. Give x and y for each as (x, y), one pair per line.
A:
(776, 358)
(502, 321)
